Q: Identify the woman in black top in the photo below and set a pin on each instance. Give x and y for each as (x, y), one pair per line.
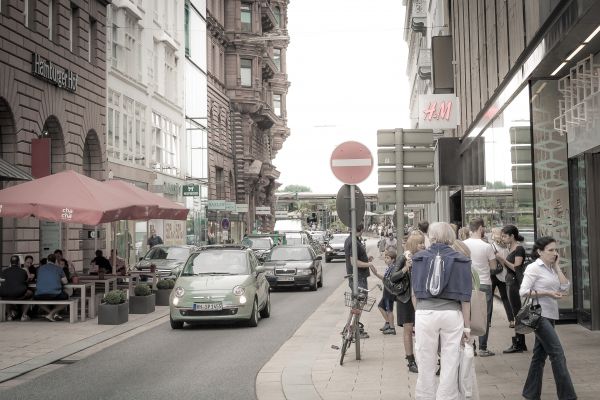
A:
(514, 276)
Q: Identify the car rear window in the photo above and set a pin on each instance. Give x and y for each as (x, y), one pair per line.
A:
(168, 253)
(290, 254)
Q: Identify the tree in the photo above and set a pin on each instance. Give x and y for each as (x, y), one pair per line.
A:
(296, 188)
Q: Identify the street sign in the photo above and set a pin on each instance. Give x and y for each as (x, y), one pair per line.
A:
(230, 206)
(191, 190)
(419, 156)
(438, 111)
(241, 208)
(263, 210)
(412, 195)
(342, 203)
(412, 176)
(410, 215)
(216, 205)
(225, 224)
(351, 162)
(281, 214)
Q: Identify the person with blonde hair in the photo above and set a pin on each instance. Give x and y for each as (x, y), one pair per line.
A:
(463, 233)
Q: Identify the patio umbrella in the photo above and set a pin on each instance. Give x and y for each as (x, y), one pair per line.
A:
(164, 208)
(70, 197)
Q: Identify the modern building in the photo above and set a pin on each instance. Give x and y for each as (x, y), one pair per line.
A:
(526, 75)
(247, 120)
(52, 110)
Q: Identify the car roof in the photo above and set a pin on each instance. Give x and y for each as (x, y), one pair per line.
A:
(293, 246)
(223, 247)
(183, 246)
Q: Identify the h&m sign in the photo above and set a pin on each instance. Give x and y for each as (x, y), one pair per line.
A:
(438, 111)
(48, 71)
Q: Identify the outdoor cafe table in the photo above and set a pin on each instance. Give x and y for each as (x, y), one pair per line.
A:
(138, 274)
(83, 287)
(106, 281)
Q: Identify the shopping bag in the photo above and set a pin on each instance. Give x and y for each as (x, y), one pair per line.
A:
(478, 313)
(467, 381)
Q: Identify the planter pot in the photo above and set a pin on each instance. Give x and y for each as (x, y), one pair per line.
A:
(113, 314)
(142, 304)
(162, 297)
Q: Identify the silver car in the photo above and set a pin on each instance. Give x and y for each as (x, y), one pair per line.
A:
(169, 260)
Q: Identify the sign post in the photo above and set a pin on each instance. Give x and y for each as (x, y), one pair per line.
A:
(352, 163)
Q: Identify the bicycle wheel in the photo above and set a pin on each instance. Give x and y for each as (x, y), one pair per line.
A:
(346, 338)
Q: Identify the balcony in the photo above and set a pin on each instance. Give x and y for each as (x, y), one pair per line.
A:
(269, 69)
(265, 117)
(268, 20)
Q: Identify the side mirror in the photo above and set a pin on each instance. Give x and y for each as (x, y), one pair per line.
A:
(319, 258)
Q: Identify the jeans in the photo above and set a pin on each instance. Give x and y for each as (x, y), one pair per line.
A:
(362, 282)
(547, 344)
(487, 289)
(446, 329)
(512, 287)
(497, 283)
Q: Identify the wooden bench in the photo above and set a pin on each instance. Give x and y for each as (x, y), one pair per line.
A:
(72, 303)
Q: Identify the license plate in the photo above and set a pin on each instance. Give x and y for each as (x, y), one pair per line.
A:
(208, 306)
(285, 278)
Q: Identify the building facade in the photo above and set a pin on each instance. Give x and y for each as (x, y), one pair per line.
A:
(526, 75)
(52, 100)
(247, 122)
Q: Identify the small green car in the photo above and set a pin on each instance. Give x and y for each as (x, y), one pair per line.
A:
(221, 282)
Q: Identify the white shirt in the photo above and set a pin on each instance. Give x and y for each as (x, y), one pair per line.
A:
(481, 254)
(540, 277)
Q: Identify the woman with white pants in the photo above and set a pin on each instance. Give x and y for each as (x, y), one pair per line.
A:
(441, 283)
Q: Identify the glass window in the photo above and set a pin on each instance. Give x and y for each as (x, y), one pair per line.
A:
(277, 104)
(277, 58)
(217, 262)
(186, 27)
(246, 17)
(290, 253)
(246, 72)
(277, 12)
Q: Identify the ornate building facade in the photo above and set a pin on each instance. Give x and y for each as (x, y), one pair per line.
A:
(247, 121)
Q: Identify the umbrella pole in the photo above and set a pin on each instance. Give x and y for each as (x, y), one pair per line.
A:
(114, 243)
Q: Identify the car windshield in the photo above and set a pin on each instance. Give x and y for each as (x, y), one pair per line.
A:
(217, 262)
(338, 239)
(290, 254)
(257, 243)
(168, 253)
(317, 237)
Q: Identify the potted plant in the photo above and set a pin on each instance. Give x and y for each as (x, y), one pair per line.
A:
(114, 309)
(144, 300)
(163, 291)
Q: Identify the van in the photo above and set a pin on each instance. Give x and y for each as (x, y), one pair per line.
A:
(288, 225)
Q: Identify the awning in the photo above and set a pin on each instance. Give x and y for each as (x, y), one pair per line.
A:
(9, 172)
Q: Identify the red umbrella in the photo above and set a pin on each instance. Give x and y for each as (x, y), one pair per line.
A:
(166, 209)
(71, 197)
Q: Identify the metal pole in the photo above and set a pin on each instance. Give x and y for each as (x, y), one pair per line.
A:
(399, 183)
(354, 260)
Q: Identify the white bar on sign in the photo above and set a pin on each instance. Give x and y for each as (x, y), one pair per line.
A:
(351, 162)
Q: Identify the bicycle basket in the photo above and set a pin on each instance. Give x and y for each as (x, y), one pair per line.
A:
(365, 303)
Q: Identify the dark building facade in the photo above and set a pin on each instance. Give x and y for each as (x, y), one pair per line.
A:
(52, 99)
(247, 122)
(526, 73)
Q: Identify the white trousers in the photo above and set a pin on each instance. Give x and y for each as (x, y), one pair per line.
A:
(431, 328)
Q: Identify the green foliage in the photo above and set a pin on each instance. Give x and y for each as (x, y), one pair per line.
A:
(142, 290)
(166, 284)
(296, 188)
(115, 297)
(496, 185)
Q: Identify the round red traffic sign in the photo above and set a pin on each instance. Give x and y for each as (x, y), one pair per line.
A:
(351, 162)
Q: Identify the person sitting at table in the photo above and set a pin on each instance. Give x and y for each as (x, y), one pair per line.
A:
(50, 281)
(14, 287)
(31, 269)
(121, 267)
(100, 263)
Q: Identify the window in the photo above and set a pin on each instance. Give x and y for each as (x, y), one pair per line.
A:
(74, 28)
(277, 58)
(165, 145)
(246, 17)
(27, 13)
(246, 72)
(92, 38)
(115, 47)
(219, 183)
(277, 104)
(277, 12)
(186, 27)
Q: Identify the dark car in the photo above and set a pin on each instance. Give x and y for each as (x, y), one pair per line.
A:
(289, 266)
(335, 247)
(169, 260)
(260, 245)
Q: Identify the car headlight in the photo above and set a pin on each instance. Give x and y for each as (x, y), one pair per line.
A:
(175, 301)
(304, 272)
(328, 248)
(179, 291)
(243, 299)
(269, 272)
(238, 290)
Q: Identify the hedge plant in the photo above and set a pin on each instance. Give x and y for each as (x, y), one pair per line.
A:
(142, 290)
(115, 297)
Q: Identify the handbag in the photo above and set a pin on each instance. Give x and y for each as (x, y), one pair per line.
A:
(499, 267)
(397, 288)
(528, 317)
(478, 313)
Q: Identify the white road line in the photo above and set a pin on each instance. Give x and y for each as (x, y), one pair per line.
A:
(351, 162)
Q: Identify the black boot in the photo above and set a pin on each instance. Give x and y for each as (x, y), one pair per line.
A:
(515, 347)
(412, 365)
(522, 344)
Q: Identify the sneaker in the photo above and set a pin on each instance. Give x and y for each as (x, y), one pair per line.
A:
(49, 317)
(25, 317)
(389, 331)
(486, 353)
(384, 327)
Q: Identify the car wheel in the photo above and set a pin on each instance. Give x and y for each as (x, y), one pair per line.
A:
(176, 324)
(266, 311)
(253, 321)
(313, 286)
(320, 284)
(328, 260)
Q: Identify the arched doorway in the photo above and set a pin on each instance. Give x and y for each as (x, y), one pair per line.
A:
(54, 131)
(8, 146)
(93, 166)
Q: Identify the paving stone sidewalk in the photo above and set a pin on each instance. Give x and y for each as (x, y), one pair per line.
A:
(306, 367)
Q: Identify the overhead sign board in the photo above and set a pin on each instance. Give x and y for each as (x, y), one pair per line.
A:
(241, 208)
(263, 210)
(412, 176)
(420, 195)
(387, 157)
(281, 214)
(351, 162)
(410, 137)
(191, 190)
(216, 205)
(438, 111)
(230, 206)
(342, 203)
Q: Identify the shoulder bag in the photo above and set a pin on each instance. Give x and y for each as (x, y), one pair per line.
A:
(397, 286)
(478, 308)
(529, 315)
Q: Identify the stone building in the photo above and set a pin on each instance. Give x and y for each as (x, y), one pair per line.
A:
(247, 121)
(52, 100)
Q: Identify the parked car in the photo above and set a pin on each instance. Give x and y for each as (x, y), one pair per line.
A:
(169, 260)
(294, 266)
(260, 245)
(335, 247)
(221, 282)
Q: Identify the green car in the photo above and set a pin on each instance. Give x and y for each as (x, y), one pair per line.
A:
(220, 283)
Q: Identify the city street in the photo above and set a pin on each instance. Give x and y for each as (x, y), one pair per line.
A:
(208, 362)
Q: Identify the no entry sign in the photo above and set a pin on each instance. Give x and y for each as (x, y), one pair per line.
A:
(351, 162)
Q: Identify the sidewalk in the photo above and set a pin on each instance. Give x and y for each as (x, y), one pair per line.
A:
(27, 346)
(306, 367)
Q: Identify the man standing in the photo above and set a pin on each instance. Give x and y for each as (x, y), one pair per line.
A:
(391, 242)
(424, 227)
(50, 281)
(154, 239)
(483, 261)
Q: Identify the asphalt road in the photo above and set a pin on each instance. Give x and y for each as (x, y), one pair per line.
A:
(199, 362)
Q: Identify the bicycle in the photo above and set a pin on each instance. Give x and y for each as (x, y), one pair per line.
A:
(357, 304)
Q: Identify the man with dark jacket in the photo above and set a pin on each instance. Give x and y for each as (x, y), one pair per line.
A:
(13, 286)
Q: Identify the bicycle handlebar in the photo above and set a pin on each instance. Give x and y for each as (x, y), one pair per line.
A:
(360, 289)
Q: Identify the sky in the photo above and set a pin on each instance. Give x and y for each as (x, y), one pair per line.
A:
(347, 66)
